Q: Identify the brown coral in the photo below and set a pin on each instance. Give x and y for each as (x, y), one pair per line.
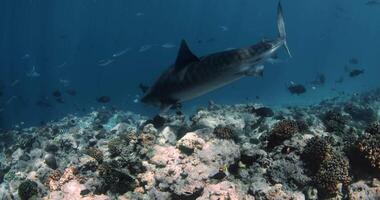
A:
(331, 173)
(369, 149)
(373, 128)
(224, 132)
(95, 153)
(281, 131)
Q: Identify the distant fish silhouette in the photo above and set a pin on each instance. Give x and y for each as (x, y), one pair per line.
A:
(168, 46)
(71, 92)
(104, 63)
(139, 14)
(224, 28)
(356, 72)
(145, 48)
(120, 53)
(103, 99)
(26, 56)
(44, 103)
(56, 93)
(296, 88)
(373, 3)
(33, 73)
(354, 61)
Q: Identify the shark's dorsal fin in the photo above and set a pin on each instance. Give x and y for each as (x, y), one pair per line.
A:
(185, 56)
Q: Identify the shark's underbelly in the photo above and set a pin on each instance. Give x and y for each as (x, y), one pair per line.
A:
(201, 88)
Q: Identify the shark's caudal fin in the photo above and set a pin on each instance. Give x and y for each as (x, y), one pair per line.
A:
(281, 27)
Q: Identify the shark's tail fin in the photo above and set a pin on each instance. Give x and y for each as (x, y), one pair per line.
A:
(281, 27)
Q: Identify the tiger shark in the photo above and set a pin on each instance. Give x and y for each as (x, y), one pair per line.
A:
(192, 76)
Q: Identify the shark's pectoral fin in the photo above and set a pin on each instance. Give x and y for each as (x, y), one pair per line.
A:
(257, 71)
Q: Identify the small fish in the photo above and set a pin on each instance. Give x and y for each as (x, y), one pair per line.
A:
(224, 28)
(354, 61)
(296, 88)
(104, 63)
(168, 46)
(263, 112)
(103, 99)
(65, 82)
(61, 65)
(33, 73)
(60, 100)
(56, 93)
(339, 80)
(372, 3)
(44, 103)
(356, 72)
(139, 14)
(1, 93)
(319, 80)
(10, 100)
(120, 53)
(71, 92)
(136, 100)
(15, 82)
(145, 48)
(26, 56)
(314, 88)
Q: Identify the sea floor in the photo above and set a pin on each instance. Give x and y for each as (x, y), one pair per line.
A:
(330, 150)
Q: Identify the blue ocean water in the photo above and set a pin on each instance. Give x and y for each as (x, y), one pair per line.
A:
(100, 48)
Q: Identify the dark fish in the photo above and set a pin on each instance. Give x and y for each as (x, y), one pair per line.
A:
(192, 76)
(143, 88)
(320, 79)
(296, 89)
(354, 61)
(373, 3)
(1, 93)
(71, 92)
(43, 103)
(340, 80)
(263, 112)
(57, 93)
(60, 100)
(103, 99)
(356, 72)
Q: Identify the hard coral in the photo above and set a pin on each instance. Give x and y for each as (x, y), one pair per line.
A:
(334, 121)
(369, 150)
(27, 189)
(281, 131)
(95, 153)
(360, 113)
(115, 147)
(373, 128)
(224, 132)
(116, 181)
(331, 173)
(317, 150)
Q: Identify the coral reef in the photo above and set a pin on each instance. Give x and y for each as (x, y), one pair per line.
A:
(334, 121)
(244, 151)
(281, 131)
(332, 172)
(224, 132)
(373, 128)
(27, 189)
